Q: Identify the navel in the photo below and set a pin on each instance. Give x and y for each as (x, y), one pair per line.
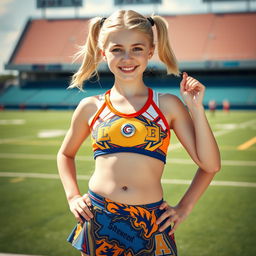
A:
(124, 188)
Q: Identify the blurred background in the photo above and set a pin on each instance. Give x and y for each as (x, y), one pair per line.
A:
(213, 40)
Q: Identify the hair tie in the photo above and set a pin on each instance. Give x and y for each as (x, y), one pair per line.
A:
(102, 21)
(151, 21)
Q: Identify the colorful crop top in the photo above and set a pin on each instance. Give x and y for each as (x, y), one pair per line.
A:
(145, 132)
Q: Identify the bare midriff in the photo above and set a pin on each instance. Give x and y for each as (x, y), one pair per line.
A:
(128, 178)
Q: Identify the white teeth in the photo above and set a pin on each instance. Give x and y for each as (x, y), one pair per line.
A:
(128, 69)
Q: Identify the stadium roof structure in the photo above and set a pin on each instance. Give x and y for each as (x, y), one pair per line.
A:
(200, 42)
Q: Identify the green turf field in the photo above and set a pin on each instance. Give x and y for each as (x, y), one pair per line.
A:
(35, 218)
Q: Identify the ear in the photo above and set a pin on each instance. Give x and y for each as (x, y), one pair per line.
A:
(151, 52)
(103, 55)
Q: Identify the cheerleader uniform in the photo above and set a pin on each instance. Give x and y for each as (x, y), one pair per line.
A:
(119, 229)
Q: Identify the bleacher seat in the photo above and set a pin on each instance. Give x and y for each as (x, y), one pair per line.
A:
(243, 96)
(238, 90)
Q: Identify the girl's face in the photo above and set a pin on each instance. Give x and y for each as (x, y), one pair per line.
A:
(127, 53)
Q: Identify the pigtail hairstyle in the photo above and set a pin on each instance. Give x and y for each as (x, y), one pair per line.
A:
(165, 51)
(91, 55)
(99, 29)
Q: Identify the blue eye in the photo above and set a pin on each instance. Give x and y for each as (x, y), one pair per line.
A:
(116, 50)
(137, 49)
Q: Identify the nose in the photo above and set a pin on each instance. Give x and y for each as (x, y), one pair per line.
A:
(127, 55)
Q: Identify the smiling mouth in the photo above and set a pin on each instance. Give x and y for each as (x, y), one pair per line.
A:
(128, 69)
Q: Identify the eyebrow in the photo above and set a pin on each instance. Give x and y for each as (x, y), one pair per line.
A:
(120, 45)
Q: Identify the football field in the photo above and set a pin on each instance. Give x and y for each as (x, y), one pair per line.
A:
(34, 215)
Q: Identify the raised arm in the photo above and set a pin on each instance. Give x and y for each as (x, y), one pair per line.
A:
(191, 126)
(194, 132)
(77, 133)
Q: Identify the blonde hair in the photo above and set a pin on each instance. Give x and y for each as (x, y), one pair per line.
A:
(122, 19)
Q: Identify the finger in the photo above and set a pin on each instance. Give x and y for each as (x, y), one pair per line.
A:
(174, 228)
(185, 74)
(164, 205)
(165, 225)
(184, 77)
(172, 219)
(195, 86)
(84, 214)
(85, 208)
(161, 218)
(87, 200)
(194, 83)
(198, 89)
(165, 215)
(77, 216)
(183, 81)
(191, 82)
(192, 88)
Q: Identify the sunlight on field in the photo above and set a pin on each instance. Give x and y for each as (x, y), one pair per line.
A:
(34, 212)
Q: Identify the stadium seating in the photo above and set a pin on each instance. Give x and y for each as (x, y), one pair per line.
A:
(14, 97)
(218, 49)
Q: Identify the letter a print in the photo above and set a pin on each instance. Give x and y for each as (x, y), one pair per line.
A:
(161, 247)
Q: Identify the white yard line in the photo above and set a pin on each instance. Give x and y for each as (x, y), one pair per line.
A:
(38, 175)
(222, 132)
(247, 123)
(28, 156)
(12, 121)
(90, 158)
(223, 162)
(213, 183)
(219, 133)
(87, 177)
(51, 133)
(13, 139)
(237, 163)
(174, 146)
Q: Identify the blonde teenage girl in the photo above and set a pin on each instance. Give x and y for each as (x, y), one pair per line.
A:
(123, 213)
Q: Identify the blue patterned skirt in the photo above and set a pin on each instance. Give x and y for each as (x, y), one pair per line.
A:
(122, 230)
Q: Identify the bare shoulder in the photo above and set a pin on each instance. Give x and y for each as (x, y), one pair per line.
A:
(91, 100)
(87, 107)
(168, 98)
(171, 106)
(170, 102)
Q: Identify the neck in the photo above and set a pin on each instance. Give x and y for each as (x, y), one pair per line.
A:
(129, 88)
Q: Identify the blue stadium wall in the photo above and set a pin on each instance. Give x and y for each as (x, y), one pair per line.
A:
(239, 90)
